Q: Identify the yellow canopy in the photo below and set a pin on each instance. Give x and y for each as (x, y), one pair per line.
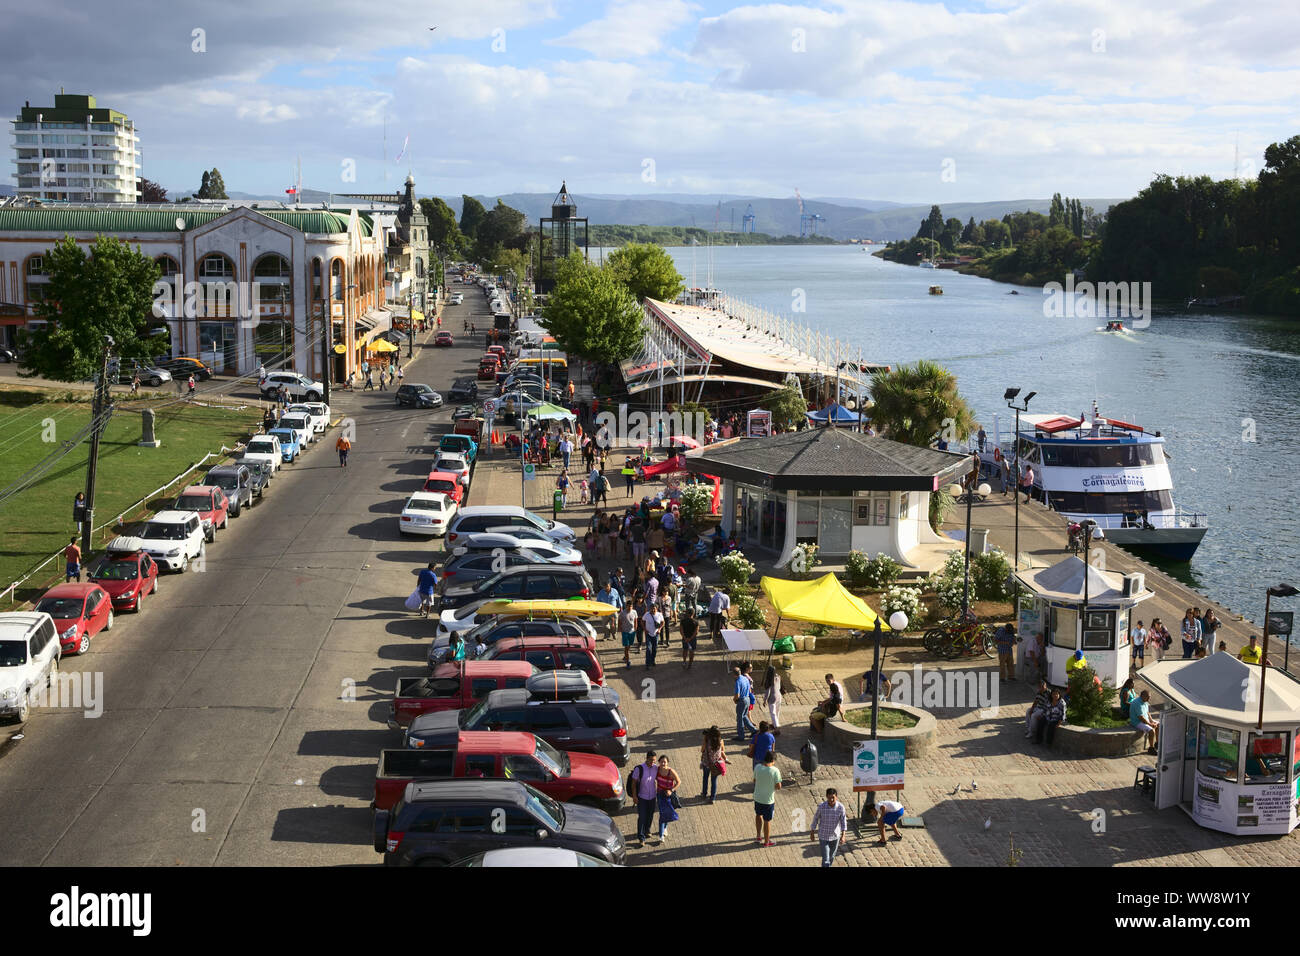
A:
(381, 345)
(824, 601)
(417, 315)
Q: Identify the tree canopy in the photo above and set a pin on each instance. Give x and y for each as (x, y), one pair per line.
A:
(645, 270)
(108, 292)
(787, 405)
(915, 404)
(471, 214)
(591, 314)
(501, 227)
(150, 191)
(212, 186)
(444, 233)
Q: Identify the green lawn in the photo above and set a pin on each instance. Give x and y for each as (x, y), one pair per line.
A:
(38, 521)
(886, 718)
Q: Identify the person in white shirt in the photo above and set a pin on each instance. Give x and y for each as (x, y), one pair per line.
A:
(652, 621)
(719, 605)
(1139, 638)
(886, 813)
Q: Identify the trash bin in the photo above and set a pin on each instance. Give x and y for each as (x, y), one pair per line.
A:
(557, 502)
(808, 757)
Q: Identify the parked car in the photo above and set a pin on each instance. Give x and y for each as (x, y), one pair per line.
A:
(471, 615)
(289, 447)
(79, 611)
(439, 822)
(454, 464)
(534, 582)
(487, 372)
(317, 419)
(586, 779)
(418, 396)
(482, 517)
(459, 444)
(453, 686)
(426, 512)
(184, 367)
(591, 723)
(150, 375)
(299, 387)
(259, 476)
(457, 298)
(211, 504)
(528, 857)
(126, 572)
(446, 483)
(236, 481)
(463, 388)
(29, 660)
(471, 566)
(443, 340)
(263, 448)
(530, 539)
(552, 653)
(463, 411)
(8, 355)
(497, 628)
(172, 538)
(301, 425)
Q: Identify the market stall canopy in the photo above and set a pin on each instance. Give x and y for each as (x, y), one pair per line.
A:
(824, 601)
(685, 441)
(546, 411)
(676, 463)
(381, 345)
(835, 413)
(1064, 581)
(1217, 688)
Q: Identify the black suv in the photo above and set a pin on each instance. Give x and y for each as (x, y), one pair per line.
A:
(498, 629)
(236, 481)
(528, 582)
(439, 822)
(464, 389)
(591, 724)
(418, 396)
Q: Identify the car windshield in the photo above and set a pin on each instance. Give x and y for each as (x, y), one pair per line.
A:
(194, 503)
(286, 438)
(424, 389)
(261, 447)
(554, 761)
(13, 653)
(469, 719)
(224, 480)
(163, 531)
(259, 467)
(545, 809)
(126, 570)
(440, 484)
(424, 504)
(61, 607)
(449, 464)
(293, 421)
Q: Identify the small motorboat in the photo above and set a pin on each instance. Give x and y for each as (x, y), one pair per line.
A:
(1117, 326)
(936, 290)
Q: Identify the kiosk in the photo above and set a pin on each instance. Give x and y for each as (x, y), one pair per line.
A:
(1214, 762)
(1077, 607)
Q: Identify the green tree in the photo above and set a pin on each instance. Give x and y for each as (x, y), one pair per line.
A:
(951, 234)
(444, 233)
(499, 228)
(150, 191)
(968, 233)
(109, 292)
(646, 270)
(915, 404)
(1056, 214)
(212, 186)
(471, 214)
(591, 314)
(787, 405)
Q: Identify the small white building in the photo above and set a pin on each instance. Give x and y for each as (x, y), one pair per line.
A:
(838, 489)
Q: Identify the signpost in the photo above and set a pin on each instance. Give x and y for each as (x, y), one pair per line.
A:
(877, 765)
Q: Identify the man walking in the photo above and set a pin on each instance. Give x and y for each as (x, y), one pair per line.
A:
(566, 449)
(1006, 641)
(72, 559)
(767, 781)
(1027, 482)
(719, 604)
(644, 781)
(344, 446)
(830, 826)
(653, 622)
(1138, 636)
(743, 691)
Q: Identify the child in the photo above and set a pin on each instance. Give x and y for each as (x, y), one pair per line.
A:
(586, 490)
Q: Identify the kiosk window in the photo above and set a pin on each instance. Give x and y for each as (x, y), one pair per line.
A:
(1064, 621)
(1266, 757)
(1218, 752)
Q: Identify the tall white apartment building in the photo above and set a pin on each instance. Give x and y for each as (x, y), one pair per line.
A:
(75, 151)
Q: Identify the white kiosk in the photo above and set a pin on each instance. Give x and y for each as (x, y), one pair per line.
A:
(1077, 607)
(1214, 762)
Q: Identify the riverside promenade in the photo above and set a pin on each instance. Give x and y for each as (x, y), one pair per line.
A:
(1029, 805)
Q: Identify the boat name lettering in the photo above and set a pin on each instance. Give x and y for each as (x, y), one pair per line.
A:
(1114, 481)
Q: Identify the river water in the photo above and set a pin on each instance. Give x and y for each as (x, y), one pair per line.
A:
(1221, 388)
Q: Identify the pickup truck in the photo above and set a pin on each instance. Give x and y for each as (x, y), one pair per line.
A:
(453, 686)
(587, 779)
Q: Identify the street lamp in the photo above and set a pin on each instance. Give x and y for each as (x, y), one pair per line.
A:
(956, 491)
(327, 340)
(1010, 397)
(1277, 590)
(1090, 531)
(897, 623)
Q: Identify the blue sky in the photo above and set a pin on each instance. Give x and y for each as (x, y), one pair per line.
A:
(883, 99)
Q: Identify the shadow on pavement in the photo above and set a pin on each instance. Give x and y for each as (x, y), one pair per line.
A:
(344, 743)
(334, 824)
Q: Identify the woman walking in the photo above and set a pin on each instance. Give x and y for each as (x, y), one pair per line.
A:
(667, 783)
(1209, 627)
(713, 762)
(1158, 638)
(772, 697)
(1191, 632)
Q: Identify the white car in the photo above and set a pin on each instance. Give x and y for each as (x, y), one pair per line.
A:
(301, 426)
(263, 448)
(319, 419)
(530, 542)
(426, 512)
(299, 387)
(172, 538)
(454, 463)
(457, 298)
(29, 659)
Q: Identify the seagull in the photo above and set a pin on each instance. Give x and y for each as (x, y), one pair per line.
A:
(988, 823)
(974, 785)
(958, 790)
(433, 28)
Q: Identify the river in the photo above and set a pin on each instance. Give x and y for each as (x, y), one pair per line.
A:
(1222, 388)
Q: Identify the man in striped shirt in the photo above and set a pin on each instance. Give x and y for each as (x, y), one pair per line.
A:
(830, 826)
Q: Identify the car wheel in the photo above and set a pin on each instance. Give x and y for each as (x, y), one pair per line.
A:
(25, 708)
(54, 676)
(234, 512)
(139, 600)
(211, 535)
(84, 644)
(313, 396)
(185, 563)
(156, 382)
(154, 588)
(225, 521)
(108, 625)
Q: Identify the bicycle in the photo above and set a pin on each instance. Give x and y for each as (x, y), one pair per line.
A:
(968, 638)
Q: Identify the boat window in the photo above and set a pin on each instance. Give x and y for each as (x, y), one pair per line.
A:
(1110, 503)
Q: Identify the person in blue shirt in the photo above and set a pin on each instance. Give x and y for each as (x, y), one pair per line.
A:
(744, 689)
(1139, 716)
(427, 585)
(762, 743)
(609, 595)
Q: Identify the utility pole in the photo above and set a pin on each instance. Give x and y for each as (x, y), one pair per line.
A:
(99, 409)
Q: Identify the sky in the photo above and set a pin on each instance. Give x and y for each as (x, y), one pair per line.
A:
(979, 100)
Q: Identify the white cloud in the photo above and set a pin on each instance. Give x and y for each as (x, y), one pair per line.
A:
(629, 28)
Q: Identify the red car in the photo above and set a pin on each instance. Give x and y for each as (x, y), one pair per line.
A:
(210, 502)
(446, 482)
(126, 573)
(453, 686)
(551, 652)
(80, 611)
(487, 372)
(443, 339)
(499, 350)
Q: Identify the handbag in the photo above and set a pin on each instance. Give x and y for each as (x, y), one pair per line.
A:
(673, 801)
(720, 768)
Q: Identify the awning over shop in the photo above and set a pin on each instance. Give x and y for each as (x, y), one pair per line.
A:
(381, 345)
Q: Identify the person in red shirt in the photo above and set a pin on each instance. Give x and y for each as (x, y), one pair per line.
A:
(72, 554)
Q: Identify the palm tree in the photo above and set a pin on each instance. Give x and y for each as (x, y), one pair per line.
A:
(916, 404)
